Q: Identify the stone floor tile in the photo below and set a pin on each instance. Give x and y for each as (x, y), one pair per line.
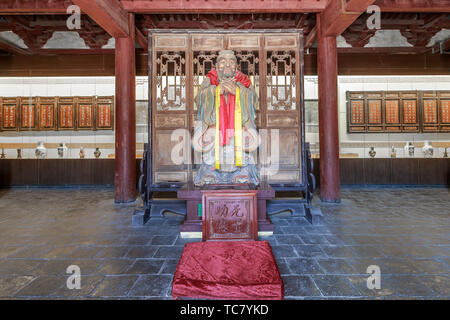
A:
(146, 266)
(336, 266)
(335, 285)
(299, 286)
(42, 286)
(9, 285)
(114, 286)
(304, 266)
(151, 285)
(169, 252)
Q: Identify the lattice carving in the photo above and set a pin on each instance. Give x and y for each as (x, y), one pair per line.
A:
(171, 81)
(281, 87)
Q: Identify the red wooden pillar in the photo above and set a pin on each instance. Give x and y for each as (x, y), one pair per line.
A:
(328, 117)
(125, 162)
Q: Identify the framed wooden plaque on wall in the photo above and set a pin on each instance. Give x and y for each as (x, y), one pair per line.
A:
(85, 113)
(410, 111)
(47, 113)
(9, 110)
(104, 113)
(28, 114)
(66, 113)
(444, 111)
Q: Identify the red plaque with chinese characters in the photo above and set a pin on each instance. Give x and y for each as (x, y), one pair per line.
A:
(28, 114)
(85, 113)
(66, 113)
(357, 112)
(374, 111)
(47, 113)
(104, 113)
(409, 111)
(392, 112)
(445, 111)
(229, 214)
(429, 111)
(9, 116)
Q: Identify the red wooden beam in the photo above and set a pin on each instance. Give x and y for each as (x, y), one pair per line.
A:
(11, 48)
(141, 39)
(311, 37)
(223, 6)
(108, 14)
(413, 5)
(339, 15)
(34, 6)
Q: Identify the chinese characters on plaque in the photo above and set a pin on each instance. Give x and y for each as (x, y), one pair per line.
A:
(392, 112)
(357, 112)
(409, 111)
(56, 113)
(229, 214)
(398, 111)
(9, 114)
(47, 114)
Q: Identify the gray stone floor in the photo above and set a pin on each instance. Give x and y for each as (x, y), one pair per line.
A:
(406, 232)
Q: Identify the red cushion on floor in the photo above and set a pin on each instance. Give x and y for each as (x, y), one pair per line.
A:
(228, 270)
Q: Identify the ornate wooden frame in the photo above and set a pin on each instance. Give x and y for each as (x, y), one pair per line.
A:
(9, 102)
(67, 104)
(85, 107)
(47, 113)
(104, 105)
(27, 103)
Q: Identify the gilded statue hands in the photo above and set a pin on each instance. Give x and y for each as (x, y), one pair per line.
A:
(228, 85)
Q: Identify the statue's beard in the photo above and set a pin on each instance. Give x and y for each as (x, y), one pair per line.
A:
(222, 74)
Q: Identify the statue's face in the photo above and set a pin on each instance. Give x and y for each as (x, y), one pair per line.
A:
(226, 66)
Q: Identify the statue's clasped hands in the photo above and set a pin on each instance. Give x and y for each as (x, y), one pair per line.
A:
(228, 85)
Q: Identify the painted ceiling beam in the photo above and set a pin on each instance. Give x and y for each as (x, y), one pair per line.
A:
(339, 15)
(223, 6)
(413, 5)
(108, 14)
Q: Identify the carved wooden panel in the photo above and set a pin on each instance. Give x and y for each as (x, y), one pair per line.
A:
(276, 42)
(171, 42)
(28, 114)
(170, 151)
(281, 82)
(208, 42)
(410, 112)
(244, 41)
(170, 81)
(171, 121)
(9, 113)
(104, 113)
(229, 215)
(66, 113)
(85, 113)
(282, 120)
(47, 113)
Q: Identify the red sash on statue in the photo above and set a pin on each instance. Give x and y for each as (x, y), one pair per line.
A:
(226, 113)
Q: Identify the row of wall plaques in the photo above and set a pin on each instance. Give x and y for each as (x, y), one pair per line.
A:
(398, 111)
(56, 113)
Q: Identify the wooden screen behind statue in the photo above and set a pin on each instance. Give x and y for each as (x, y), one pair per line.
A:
(179, 63)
